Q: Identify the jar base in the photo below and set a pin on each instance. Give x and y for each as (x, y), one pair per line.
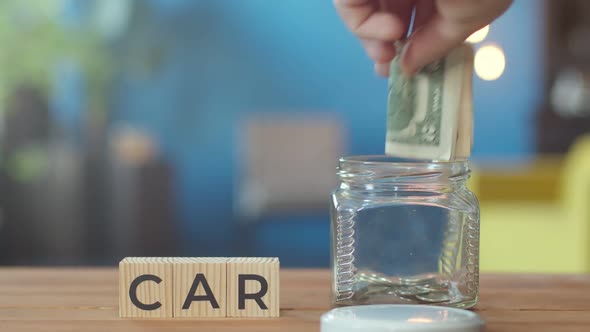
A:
(464, 304)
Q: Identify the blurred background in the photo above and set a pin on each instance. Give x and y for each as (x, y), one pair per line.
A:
(213, 128)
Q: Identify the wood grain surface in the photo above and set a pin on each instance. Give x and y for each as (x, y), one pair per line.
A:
(215, 273)
(86, 299)
(268, 268)
(147, 292)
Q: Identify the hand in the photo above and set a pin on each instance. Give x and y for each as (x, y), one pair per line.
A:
(439, 26)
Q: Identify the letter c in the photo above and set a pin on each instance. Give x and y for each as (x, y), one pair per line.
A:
(133, 292)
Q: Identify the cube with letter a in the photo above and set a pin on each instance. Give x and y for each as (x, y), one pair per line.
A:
(253, 287)
(200, 287)
(146, 287)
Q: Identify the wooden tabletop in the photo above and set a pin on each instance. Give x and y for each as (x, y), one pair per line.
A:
(85, 299)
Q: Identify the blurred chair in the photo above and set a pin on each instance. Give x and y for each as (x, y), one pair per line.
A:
(287, 164)
(140, 201)
(286, 172)
(550, 237)
(41, 192)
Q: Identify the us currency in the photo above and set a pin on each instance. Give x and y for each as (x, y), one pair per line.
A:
(430, 115)
(422, 289)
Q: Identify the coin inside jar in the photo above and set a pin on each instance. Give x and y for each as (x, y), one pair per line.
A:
(411, 291)
(426, 288)
(434, 297)
(436, 287)
(375, 278)
(418, 280)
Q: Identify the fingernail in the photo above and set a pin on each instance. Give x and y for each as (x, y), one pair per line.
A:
(407, 69)
(382, 69)
(412, 72)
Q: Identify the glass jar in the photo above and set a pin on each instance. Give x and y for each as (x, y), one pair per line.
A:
(404, 232)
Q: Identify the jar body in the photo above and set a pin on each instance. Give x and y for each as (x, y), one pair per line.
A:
(405, 241)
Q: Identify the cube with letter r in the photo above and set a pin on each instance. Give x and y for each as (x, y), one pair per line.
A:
(253, 287)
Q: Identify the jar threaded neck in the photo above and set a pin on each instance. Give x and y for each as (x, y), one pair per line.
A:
(386, 173)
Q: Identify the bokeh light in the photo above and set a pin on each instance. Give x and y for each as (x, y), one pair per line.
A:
(489, 62)
(479, 35)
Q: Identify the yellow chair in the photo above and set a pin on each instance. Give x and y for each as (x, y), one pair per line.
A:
(544, 237)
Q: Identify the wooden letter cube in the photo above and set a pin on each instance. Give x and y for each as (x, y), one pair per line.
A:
(200, 287)
(145, 287)
(253, 287)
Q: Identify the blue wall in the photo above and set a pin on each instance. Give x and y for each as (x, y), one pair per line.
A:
(197, 66)
(504, 119)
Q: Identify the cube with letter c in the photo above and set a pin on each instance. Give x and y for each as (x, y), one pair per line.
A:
(146, 287)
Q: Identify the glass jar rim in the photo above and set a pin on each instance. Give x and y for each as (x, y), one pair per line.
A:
(385, 168)
(386, 160)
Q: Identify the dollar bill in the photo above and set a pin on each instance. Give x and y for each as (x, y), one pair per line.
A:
(430, 114)
(464, 142)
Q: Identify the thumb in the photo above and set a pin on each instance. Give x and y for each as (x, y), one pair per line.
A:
(431, 42)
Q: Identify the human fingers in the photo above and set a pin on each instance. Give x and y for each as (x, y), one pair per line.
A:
(379, 51)
(382, 69)
(447, 27)
(425, 9)
(402, 9)
(367, 20)
(431, 42)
